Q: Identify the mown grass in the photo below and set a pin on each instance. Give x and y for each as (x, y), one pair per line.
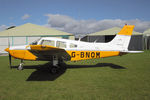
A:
(115, 78)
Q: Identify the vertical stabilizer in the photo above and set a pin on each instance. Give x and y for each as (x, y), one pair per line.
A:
(122, 39)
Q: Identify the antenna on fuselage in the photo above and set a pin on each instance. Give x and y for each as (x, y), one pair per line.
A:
(95, 41)
(79, 39)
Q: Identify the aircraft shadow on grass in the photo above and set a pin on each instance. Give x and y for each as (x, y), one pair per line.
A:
(42, 72)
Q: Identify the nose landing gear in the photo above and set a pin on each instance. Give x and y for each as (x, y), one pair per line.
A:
(20, 67)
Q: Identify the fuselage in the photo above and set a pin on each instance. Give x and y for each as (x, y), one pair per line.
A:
(48, 48)
(75, 50)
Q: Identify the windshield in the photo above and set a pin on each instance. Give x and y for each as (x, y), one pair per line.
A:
(35, 42)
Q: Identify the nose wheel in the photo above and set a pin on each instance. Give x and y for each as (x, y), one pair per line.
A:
(20, 67)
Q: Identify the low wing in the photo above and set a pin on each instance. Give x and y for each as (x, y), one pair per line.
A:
(46, 52)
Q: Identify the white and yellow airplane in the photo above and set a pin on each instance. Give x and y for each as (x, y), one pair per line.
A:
(59, 50)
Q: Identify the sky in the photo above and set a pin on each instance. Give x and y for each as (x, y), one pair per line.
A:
(76, 16)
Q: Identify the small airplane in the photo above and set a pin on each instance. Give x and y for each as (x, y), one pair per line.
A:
(58, 50)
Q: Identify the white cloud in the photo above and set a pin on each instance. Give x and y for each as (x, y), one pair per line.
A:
(26, 16)
(68, 24)
(3, 27)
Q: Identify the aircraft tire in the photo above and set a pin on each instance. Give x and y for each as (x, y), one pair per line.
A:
(54, 70)
(20, 68)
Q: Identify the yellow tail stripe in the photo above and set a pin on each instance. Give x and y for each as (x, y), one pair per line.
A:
(126, 30)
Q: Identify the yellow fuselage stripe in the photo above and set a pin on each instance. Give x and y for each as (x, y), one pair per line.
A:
(75, 55)
(83, 55)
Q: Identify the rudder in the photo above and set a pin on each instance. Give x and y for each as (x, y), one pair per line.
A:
(122, 39)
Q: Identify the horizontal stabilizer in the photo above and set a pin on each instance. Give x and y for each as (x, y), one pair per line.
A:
(132, 51)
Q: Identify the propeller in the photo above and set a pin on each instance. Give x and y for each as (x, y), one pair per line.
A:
(10, 61)
(9, 54)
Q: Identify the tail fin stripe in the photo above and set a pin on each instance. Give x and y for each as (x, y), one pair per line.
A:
(126, 30)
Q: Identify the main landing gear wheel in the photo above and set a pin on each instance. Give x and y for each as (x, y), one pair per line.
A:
(54, 69)
(56, 64)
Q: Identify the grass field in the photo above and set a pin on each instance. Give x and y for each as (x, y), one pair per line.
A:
(115, 78)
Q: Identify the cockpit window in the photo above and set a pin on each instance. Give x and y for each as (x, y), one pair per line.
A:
(35, 42)
(61, 44)
(48, 42)
(73, 45)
